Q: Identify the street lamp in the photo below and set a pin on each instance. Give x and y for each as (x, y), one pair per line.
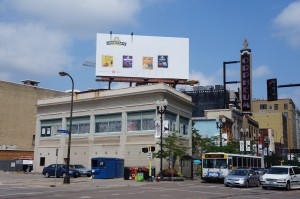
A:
(161, 107)
(267, 143)
(67, 177)
(256, 139)
(244, 134)
(220, 124)
(224, 79)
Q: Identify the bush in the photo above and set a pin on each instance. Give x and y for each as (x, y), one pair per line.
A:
(170, 172)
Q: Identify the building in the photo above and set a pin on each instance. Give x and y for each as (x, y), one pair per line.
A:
(280, 116)
(17, 121)
(112, 123)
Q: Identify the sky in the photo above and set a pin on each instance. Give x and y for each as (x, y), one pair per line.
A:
(38, 39)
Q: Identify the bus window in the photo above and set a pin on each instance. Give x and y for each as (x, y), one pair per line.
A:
(234, 161)
(221, 163)
(229, 163)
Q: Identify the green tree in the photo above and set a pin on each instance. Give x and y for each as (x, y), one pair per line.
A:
(173, 146)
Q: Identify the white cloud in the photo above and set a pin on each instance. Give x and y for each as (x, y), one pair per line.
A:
(261, 71)
(77, 17)
(31, 49)
(204, 80)
(36, 36)
(288, 24)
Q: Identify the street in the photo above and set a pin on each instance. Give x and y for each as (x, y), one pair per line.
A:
(36, 186)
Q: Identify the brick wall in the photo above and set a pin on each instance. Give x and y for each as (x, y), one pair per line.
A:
(11, 155)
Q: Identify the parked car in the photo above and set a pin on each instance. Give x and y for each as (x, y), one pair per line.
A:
(59, 170)
(82, 170)
(260, 172)
(242, 178)
(287, 177)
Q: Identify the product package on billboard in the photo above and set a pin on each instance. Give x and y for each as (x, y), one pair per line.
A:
(127, 61)
(148, 63)
(162, 61)
(107, 61)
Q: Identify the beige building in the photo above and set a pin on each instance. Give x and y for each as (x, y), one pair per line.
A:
(112, 123)
(280, 116)
(18, 117)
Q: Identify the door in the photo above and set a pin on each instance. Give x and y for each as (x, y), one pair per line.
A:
(297, 176)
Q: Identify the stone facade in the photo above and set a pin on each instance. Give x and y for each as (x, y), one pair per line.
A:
(127, 143)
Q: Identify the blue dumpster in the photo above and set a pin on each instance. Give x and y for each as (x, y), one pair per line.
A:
(107, 168)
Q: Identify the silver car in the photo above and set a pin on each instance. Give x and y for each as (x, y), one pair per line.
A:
(242, 178)
(81, 169)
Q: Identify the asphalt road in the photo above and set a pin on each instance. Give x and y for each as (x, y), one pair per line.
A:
(17, 186)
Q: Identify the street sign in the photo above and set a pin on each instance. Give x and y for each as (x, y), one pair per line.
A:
(149, 156)
(62, 131)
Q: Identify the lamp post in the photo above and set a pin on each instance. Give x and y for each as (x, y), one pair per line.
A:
(220, 124)
(244, 134)
(224, 79)
(267, 142)
(161, 107)
(67, 177)
(256, 139)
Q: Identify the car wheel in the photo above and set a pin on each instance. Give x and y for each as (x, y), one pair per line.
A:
(264, 187)
(47, 175)
(288, 186)
(226, 185)
(88, 175)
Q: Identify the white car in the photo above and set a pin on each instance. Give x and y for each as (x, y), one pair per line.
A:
(287, 177)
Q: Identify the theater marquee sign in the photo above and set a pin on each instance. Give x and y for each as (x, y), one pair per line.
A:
(246, 78)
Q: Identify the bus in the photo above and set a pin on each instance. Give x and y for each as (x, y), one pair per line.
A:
(215, 166)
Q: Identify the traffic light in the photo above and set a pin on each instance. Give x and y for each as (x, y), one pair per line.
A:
(151, 148)
(145, 149)
(272, 89)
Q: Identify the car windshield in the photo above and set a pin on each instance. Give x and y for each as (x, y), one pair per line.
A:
(278, 170)
(79, 166)
(239, 172)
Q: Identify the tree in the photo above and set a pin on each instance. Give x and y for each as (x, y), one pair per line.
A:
(174, 146)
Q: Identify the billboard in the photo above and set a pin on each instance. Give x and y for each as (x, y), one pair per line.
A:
(142, 56)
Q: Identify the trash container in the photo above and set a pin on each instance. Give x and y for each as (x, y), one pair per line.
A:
(127, 173)
(140, 176)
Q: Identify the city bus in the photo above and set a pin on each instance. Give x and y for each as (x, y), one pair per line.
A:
(215, 166)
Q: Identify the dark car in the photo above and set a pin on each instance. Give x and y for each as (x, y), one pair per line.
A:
(59, 170)
(82, 169)
(243, 178)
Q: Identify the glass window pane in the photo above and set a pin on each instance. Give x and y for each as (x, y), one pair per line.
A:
(134, 125)
(115, 126)
(148, 124)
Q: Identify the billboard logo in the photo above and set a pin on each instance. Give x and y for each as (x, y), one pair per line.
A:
(116, 42)
(246, 81)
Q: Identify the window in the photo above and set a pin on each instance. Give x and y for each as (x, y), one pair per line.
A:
(108, 123)
(172, 121)
(141, 121)
(275, 106)
(80, 125)
(183, 123)
(285, 106)
(42, 161)
(50, 127)
(263, 106)
(270, 107)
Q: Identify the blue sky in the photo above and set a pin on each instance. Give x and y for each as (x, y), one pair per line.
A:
(40, 38)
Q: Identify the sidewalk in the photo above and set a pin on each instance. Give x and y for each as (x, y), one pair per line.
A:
(38, 180)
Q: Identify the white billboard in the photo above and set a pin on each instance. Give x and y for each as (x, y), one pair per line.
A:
(142, 56)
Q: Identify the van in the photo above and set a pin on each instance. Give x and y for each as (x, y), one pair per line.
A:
(287, 177)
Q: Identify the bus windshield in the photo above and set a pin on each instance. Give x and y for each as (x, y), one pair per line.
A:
(215, 163)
